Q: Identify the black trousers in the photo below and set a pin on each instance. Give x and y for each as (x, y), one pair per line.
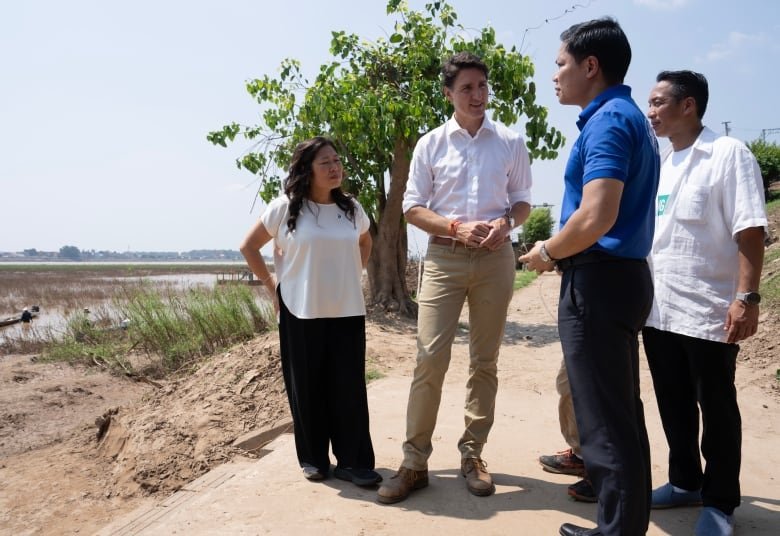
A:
(604, 303)
(323, 363)
(691, 373)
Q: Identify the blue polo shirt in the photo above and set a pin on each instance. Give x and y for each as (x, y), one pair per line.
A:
(616, 141)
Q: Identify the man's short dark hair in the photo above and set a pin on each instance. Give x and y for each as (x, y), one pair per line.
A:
(604, 39)
(686, 84)
(457, 62)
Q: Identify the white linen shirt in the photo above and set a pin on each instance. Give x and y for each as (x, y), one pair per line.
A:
(469, 178)
(318, 265)
(694, 258)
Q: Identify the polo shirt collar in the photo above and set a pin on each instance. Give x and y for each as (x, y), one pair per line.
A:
(620, 91)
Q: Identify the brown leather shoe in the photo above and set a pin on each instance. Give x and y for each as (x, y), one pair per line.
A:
(478, 480)
(399, 486)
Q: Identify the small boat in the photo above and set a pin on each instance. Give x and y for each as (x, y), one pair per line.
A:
(11, 320)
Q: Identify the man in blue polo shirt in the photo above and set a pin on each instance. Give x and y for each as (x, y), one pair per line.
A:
(606, 231)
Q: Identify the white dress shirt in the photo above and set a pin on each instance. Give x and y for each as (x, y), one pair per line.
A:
(469, 178)
(705, 199)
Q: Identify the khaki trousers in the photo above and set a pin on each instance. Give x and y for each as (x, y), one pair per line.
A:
(566, 418)
(452, 275)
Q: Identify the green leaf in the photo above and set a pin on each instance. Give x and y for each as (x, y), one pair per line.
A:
(374, 97)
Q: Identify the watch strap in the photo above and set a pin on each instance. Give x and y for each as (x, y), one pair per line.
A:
(545, 255)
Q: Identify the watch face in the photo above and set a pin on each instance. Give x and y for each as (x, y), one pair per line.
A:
(751, 298)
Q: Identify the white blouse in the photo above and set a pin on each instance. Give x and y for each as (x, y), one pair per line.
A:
(318, 265)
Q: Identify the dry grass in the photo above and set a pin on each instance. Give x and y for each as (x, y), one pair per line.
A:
(70, 287)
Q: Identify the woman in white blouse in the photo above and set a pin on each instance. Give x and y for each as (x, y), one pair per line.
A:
(321, 245)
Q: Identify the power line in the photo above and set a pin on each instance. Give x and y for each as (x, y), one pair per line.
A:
(547, 21)
(765, 131)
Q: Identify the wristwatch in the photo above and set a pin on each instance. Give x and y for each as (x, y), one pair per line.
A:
(546, 257)
(749, 298)
(510, 221)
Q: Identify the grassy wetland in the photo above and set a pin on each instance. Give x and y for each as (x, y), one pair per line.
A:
(120, 316)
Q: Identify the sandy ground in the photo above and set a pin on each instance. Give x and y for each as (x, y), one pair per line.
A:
(60, 475)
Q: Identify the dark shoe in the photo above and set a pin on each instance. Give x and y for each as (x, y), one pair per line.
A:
(478, 480)
(359, 477)
(401, 485)
(666, 497)
(564, 462)
(583, 491)
(313, 473)
(567, 529)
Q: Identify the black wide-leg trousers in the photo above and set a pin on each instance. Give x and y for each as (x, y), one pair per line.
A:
(691, 373)
(604, 303)
(323, 363)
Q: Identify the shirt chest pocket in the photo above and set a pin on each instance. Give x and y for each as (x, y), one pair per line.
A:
(693, 203)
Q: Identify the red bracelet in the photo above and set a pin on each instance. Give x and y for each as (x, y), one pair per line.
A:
(454, 227)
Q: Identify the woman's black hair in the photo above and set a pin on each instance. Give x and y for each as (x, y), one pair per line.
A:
(297, 185)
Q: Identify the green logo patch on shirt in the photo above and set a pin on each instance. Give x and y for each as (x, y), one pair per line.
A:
(662, 200)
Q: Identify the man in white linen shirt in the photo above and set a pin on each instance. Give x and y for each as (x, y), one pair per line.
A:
(469, 185)
(706, 259)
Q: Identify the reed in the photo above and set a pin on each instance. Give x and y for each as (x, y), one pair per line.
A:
(171, 327)
(179, 327)
(69, 286)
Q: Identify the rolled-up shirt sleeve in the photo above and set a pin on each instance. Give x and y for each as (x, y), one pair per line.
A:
(420, 183)
(520, 182)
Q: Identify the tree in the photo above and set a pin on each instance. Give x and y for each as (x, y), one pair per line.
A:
(538, 226)
(32, 252)
(375, 99)
(768, 157)
(70, 252)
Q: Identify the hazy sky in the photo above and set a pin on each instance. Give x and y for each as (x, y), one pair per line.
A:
(105, 106)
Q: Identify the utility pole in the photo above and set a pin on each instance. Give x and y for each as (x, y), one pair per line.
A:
(765, 131)
(726, 123)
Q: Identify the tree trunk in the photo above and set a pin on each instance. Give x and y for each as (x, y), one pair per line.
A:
(387, 265)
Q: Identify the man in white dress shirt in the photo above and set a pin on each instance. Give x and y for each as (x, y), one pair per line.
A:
(469, 185)
(706, 260)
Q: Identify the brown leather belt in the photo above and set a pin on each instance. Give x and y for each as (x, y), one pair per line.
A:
(441, 241)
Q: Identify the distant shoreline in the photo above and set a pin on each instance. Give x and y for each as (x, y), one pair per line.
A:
(146, 262)
(122, 269)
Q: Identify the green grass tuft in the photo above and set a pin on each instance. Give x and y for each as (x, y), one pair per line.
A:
(523, 278)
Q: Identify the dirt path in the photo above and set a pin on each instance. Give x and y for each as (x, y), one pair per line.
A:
(56, 478)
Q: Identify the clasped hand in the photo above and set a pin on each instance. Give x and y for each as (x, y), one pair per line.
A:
(482, 234)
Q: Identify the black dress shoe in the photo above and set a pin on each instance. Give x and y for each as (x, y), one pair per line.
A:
(567, 529)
